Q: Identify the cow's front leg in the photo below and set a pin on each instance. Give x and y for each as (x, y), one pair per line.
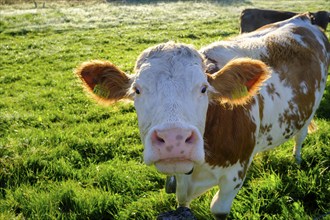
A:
(188, 187)
(229, 186)
(191, 186)
(222, 201)
(182, 187)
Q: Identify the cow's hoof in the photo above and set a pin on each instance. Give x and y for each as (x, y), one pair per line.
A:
(170, 184)
(221, 216)
(182, 213)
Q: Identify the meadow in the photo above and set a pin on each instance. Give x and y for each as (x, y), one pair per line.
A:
(63, 156)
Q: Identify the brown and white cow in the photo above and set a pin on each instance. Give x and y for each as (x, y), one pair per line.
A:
(209, 112)
(252, 18)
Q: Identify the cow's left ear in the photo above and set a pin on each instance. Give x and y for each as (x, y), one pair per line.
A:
(239, 80)
(106, 82)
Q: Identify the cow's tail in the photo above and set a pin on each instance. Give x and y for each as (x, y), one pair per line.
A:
(312, 127)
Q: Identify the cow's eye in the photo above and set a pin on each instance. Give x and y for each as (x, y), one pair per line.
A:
(137, 90)
(204, 89)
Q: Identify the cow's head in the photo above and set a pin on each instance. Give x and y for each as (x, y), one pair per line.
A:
(171, 92)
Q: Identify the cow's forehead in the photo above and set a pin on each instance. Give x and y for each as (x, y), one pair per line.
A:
(170, 62)
(190, 70)
(169, 51)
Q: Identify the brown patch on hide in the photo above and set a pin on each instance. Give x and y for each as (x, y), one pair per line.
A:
(242, 173)
(229, 135)
(261, 106)
(271, 90)
(265, 129)
(237, 186)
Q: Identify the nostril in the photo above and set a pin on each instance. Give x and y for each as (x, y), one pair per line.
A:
(159, 139)
(190, 139)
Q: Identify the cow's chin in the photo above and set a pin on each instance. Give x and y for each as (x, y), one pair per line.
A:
(174, 166)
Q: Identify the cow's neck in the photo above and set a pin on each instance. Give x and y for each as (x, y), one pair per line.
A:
(229, 134)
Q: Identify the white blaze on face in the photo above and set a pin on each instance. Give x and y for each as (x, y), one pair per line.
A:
(171, 103)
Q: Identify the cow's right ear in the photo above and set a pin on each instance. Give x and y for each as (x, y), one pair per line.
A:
(105, 81)
(239, 80)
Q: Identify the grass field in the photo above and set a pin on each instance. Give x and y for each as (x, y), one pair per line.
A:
(62, 156)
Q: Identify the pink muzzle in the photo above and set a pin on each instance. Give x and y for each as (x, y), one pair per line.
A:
(176, 149)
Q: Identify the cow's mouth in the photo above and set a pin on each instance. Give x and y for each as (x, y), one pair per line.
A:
(175, 166)
(190, 172)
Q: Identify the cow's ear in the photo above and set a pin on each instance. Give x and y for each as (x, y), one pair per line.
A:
(105, 81)
(239, 80)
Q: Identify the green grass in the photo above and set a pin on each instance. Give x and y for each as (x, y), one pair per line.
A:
(62, 156)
